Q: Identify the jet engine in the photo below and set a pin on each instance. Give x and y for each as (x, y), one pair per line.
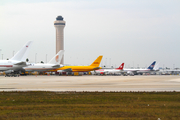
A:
(130, 73)
(9, 71)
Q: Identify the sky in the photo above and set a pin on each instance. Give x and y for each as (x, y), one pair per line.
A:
(136, 32)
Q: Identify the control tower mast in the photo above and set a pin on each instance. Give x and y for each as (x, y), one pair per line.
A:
(59, 25)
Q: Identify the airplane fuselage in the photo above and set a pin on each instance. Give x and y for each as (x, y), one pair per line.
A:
(108, 71)
(10, 65)
(137, 70)
(78, 68)
(93, 66)
(41, 67)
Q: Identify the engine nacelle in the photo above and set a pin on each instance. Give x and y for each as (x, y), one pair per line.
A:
(60, 71)
(130, 73)
(9, 71)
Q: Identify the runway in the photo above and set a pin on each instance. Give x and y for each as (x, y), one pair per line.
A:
(91, 83)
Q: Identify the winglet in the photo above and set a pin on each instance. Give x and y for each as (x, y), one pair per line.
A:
(121, 67)
(21, 55)
(57, 58)
(97, 62)
(152, 65)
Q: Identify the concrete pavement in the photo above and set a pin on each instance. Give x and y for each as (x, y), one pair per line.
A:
(91, 83)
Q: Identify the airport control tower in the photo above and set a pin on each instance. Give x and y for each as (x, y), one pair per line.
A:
(59, 24)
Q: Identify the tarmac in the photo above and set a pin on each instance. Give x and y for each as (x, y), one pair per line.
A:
(92, 83)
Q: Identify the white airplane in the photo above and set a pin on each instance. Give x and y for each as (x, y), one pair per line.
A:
(110, 70)
(54, 63)
(140, 71)
(14, 65)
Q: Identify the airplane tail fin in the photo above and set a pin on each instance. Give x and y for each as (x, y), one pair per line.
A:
(57, 58)
(121, 67)
(97, 62)
(152, 65)
(22, 54)
(156, 67)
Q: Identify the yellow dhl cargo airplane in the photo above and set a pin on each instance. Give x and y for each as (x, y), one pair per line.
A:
(93, 66)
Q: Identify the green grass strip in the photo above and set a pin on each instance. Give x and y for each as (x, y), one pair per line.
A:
(90, 105)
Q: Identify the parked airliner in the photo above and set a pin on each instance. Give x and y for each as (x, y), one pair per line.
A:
(140, 71)
(14, 65)
(110, 70)
(93, 66)
(54, 63)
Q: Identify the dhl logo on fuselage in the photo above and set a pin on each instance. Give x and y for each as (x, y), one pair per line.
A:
(95, 62)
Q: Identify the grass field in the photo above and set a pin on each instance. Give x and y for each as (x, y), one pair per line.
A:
(90, 105)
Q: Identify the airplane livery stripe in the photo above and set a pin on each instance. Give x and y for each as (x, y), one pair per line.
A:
(6, 66)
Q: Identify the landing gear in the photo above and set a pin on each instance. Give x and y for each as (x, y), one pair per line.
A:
(12, 75)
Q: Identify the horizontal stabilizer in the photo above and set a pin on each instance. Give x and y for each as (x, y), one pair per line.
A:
(96, 68)
(56, 66)
(20, 63)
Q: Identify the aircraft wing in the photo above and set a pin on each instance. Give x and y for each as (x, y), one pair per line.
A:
(65, 70)
(20, 63)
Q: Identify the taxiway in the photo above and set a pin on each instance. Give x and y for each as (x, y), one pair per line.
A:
(91, 83)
